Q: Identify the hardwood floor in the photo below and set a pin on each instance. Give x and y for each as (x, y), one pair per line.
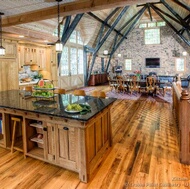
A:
(145, 154)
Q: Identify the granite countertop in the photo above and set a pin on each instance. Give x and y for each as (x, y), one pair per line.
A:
(54, 106)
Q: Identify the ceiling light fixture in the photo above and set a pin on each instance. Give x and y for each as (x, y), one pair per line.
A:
(58, 44)
(2, 49)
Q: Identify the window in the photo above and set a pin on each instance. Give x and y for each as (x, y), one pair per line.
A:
(152, 36)
(72, 56)
(73, 37)
(79, 39)
(80, 61)
(64, 65)
(159, 24)
(180, 64)
(144, 25)
(151, 24)
(128, 64)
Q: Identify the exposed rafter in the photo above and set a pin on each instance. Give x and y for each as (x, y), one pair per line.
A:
(175, 14)
(170, 25)
(182, 5)
(116, 45)
(103, 22)
(68, 31)
(101, 40)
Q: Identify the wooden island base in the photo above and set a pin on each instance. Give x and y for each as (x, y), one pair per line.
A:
(75, 145)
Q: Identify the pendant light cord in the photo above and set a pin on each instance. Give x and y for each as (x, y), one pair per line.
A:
(58, 20)
(1, 29)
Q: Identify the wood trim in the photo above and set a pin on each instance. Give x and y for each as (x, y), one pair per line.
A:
(67, 9)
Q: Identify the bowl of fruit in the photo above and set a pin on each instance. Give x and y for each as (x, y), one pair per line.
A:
(78, 108)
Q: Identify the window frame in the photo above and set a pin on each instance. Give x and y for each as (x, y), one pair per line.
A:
(128, 62)
(79, 47)
(152, 29)
(176, 67)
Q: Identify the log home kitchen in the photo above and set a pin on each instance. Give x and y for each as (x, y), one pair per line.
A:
(94, 94)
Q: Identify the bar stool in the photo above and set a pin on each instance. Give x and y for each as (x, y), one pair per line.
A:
(16, 123)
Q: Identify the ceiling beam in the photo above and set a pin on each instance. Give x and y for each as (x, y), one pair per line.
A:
(170, 25)
(67, 9)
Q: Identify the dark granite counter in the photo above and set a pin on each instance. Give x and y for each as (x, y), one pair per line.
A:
(55, 106)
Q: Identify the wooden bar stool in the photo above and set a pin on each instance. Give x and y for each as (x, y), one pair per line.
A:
(16, 123)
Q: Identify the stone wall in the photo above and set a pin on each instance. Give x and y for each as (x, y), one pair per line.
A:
(135, 49)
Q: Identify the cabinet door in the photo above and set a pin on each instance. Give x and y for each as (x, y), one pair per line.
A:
(67, 147)
(49, 141)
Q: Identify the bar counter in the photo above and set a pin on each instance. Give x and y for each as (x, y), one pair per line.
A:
(72, 141)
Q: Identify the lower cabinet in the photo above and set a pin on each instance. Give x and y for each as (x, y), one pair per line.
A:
(54, 143)
(67, 147)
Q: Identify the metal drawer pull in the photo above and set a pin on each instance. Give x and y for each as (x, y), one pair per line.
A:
(65, 128)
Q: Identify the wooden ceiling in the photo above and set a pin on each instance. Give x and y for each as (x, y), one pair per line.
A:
(37, 20)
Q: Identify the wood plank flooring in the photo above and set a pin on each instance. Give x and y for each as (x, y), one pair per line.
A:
(145, 154)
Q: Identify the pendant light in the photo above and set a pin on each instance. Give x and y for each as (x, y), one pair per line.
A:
(2, 49)
(58, 44)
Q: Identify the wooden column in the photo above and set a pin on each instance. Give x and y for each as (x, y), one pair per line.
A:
(184, 127)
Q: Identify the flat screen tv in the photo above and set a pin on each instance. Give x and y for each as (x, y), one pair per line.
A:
(118, 69)
(152, 62)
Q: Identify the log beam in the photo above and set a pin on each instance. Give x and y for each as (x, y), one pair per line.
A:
(67, 9)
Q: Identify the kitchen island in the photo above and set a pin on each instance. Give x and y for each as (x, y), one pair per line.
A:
(70, 140)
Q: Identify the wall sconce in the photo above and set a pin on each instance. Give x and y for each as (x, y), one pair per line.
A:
(119, 55)
(184, 53)
(2, 49)
(105, 52)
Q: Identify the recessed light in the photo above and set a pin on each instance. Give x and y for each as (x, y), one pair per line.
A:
(21, 36)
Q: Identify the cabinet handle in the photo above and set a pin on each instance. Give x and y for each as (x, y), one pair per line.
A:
(45, 128)
(65, 128)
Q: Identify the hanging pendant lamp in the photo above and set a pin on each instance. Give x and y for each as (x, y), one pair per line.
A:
(2, 49)
(58, 44)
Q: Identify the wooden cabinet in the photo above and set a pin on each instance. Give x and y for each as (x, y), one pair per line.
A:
(9, 74)
(29, 54)
(98, 79)
(67, 147)
(50, 142)
(58, 145)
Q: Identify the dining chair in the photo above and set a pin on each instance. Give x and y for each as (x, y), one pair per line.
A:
(121, 86)
(112, 84)
(151, 84)
(60, 91)
(134, 85)
(79, 92)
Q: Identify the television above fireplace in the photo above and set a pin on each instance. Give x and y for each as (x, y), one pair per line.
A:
(152, 62)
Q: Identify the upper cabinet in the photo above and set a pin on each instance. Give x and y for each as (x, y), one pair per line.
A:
(10, 49)
(30, 54)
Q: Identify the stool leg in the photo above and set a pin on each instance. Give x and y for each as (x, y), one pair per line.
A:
(13, 137)
(23, 140)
